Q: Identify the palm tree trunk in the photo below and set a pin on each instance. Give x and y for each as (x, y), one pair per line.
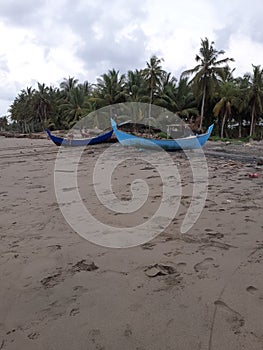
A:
(240, 127)
(252, 121)
(254, 126)
(150, 108)
(223, 125)
(202, 108)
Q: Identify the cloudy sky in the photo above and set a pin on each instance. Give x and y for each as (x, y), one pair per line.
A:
(45, 41)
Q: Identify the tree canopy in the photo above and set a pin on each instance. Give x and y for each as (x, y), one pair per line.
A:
(209, 92)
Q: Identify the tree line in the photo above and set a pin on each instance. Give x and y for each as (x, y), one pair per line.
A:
(208, 92)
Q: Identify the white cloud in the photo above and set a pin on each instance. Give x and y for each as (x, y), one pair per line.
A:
(27, 61)
(247, 51)
(48, 41)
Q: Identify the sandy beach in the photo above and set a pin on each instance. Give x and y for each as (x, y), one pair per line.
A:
(200, 290)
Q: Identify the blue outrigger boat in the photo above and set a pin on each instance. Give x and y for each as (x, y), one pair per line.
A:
(60, 141)
(189, 142)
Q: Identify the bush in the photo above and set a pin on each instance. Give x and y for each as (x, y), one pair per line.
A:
(164, 135)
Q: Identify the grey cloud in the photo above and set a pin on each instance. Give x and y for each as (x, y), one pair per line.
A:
(7, 90)
(239, 17)
(256, 31)
(111, 18)
(123, 55)
(22, 13)
(81, 17)
(222, 37)
(7, 96)
(11, 88)
(3, 65)
(4, 106)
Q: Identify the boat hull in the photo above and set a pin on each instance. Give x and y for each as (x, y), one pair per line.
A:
(191, 142)
(60, 141)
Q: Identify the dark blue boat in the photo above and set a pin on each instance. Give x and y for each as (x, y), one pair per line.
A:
(60, 141)
(189, 142)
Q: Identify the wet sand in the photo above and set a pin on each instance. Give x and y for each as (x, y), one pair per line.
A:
(199, 290)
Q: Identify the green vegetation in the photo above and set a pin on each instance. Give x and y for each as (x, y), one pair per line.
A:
(208, 73)
(212, 94)
(232, 140)
(163, 135)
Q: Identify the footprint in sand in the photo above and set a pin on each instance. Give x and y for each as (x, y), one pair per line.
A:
(233, 318)
(75, 311)
(148, 246)
(58, 277)
(217, 235)
(128, 330)
(80, 289)
(54, 247)
(251, 289)
(254, 291)
(180, 267)
(204, 265)
(95, 336)
(52, 280)
(33, 335)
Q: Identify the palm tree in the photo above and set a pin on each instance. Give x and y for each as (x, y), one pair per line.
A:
(242, 98)
(178, 99)
(227, 92)
(22, 112)
(68, 84)
(42, 105)
(167, 92)
(135, 87)
(228, 74)
(153, 74)
(186, 105)
(3, 123)
(75, 107)
(109, 89)
(207, 72)
(255, 97)
(55, 97)
(86, 88)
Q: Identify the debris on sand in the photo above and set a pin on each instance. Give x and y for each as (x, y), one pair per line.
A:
(253, 175)
(160, 270)
(83, 265)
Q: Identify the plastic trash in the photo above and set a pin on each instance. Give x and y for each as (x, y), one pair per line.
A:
(253, 175)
